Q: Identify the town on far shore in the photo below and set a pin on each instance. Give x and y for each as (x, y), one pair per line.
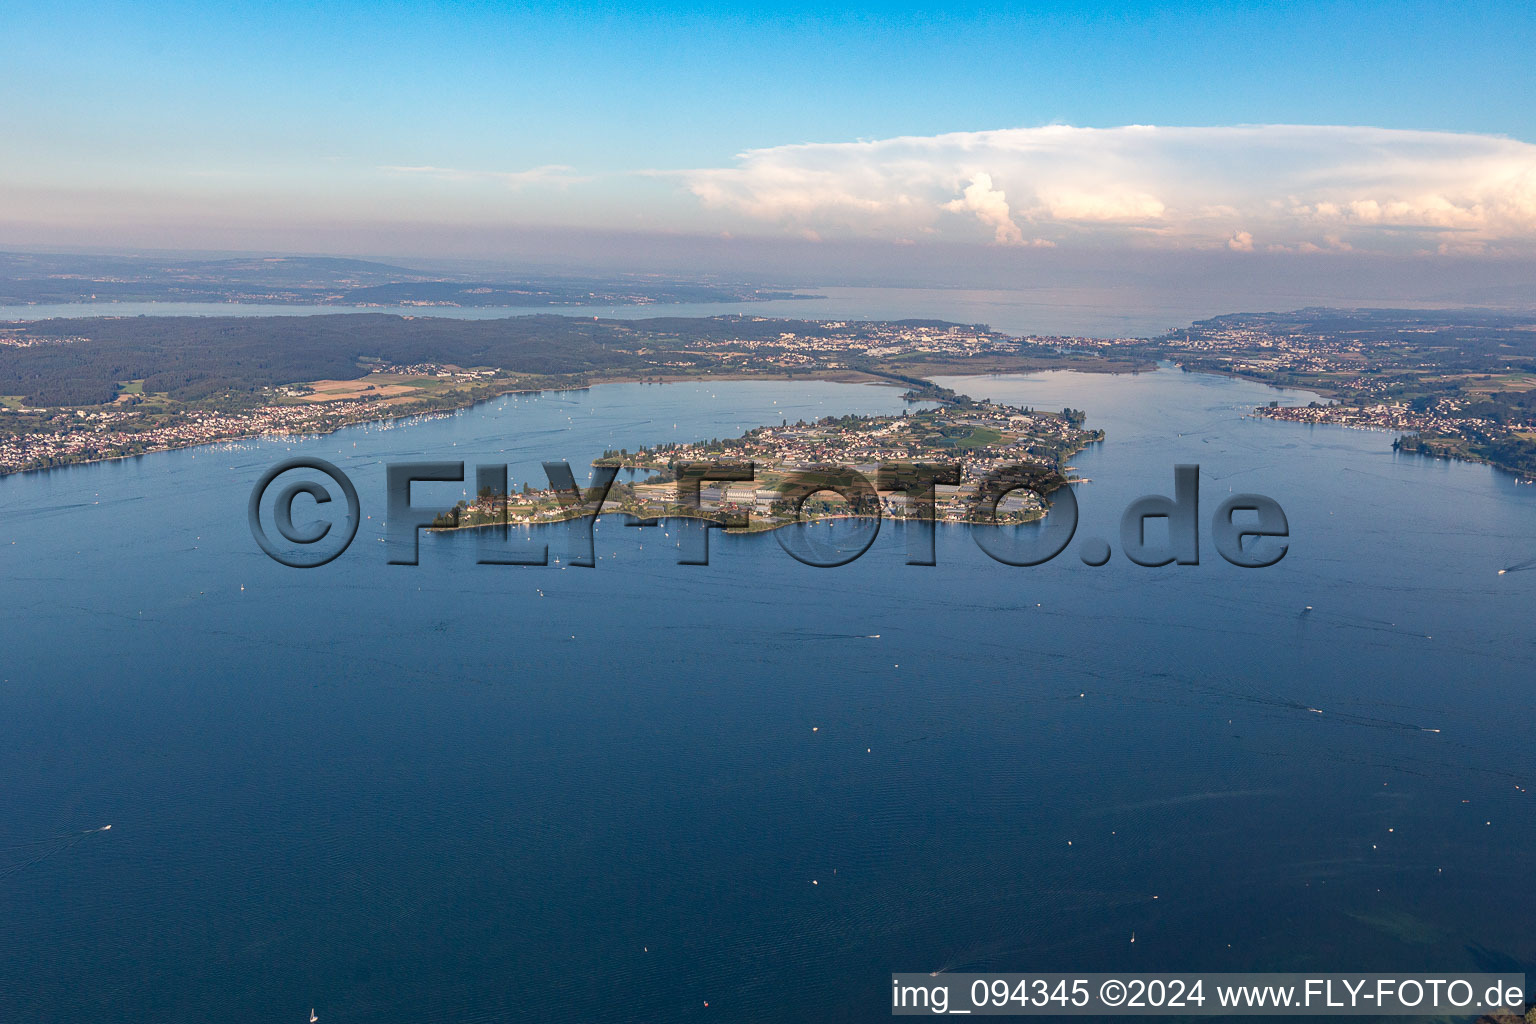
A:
(390, 367)
(1449, 383)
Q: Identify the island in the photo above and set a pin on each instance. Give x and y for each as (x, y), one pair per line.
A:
(996, 452)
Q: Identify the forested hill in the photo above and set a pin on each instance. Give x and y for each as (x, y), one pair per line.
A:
(82, 361)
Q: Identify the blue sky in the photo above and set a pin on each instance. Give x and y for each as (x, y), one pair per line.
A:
(202, 122)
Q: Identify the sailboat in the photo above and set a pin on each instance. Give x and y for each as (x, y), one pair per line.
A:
(312, 1017)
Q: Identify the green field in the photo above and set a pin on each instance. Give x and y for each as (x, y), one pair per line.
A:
(974, 437)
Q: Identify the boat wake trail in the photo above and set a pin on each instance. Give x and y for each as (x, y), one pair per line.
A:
(31, 852)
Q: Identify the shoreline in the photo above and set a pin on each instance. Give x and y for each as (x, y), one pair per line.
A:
(840, 376)
(375, 307)
(752, 528)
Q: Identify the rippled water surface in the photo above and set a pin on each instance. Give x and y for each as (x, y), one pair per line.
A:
(455, 792)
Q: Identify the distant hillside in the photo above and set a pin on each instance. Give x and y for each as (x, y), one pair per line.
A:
(33, 279)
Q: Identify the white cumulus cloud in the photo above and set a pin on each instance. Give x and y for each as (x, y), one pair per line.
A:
(1300, 187)
(990, 207)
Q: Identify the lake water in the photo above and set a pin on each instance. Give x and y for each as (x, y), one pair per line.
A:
(1128, 311)
(468, 793)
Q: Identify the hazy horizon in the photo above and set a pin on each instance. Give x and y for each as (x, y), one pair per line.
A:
(1329, 149)
(1262, 281)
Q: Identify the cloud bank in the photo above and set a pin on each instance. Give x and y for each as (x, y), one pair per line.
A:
(1245, 188)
